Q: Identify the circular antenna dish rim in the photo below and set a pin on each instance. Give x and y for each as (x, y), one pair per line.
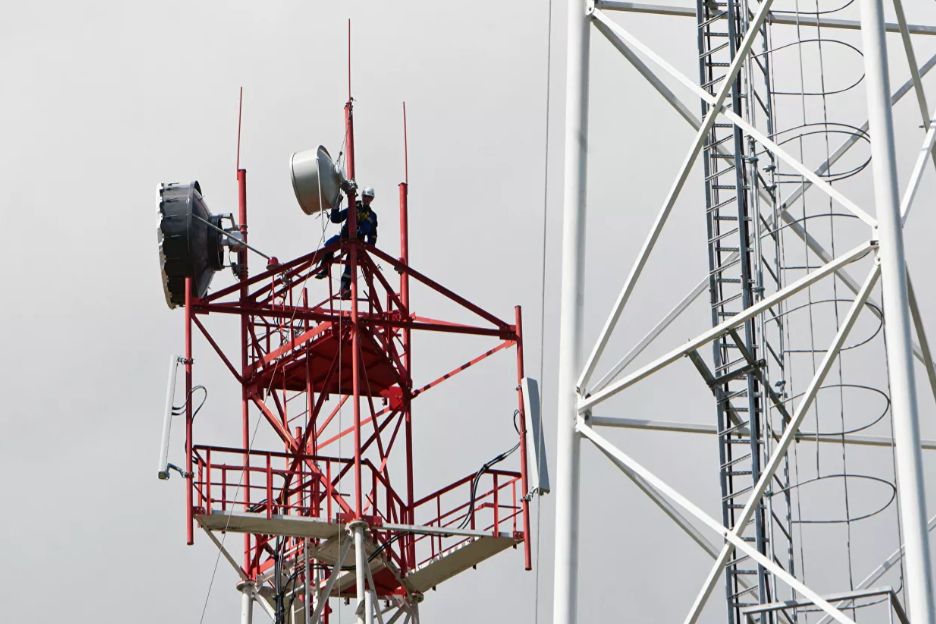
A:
(315, 180)
(188, 247)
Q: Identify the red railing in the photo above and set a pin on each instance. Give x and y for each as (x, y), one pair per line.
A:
(285, 484)
(495, 510)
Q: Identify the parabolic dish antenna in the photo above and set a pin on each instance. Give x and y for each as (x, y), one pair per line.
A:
(316, 180)
(188, 247)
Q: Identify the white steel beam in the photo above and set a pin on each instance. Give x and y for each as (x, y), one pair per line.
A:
(721, 329)
(791, 222)
(364, 615)
(609, 449)
(915, 77)
(571, 313)
(680, 427)
(848, 143)
(652, 335)
(774, 18)
(917, 176)
(617, 30)
(374, 602)
(330, 583)
(248, 590)
(675, 189)
(878, 572)
(670, 510)
(911, 59)
(789, 433)
(921, 336)
(909, 459)
(226, 554)
(396, 616)
(605, 27)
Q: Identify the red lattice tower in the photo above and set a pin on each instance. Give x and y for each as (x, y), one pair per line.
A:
(306, 539)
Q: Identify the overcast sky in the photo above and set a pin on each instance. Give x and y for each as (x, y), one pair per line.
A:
(104, 100)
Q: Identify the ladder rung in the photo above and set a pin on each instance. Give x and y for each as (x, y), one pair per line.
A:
(724, 267)
(744, 591)
(719, 142)
(733, 429)
(737, 460)
(722, 204)
(727, 249)
(727, 365)
(718, 174)
(714, 50)
(721, 236)
(714, 18)
(728, 300)
(733, 395)
(725, 218)
(739, 473)
(729, 280)
(738, 493)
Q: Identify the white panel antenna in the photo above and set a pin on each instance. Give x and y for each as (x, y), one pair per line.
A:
(163, 468)
(537, 470)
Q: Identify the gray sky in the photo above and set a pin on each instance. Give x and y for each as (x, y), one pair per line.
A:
(104, 100)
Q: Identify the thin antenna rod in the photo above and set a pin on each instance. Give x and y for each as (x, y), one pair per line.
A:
(240, 112)
(405, 149)
(349, 59)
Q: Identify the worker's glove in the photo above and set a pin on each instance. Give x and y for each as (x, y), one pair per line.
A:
(348, 186)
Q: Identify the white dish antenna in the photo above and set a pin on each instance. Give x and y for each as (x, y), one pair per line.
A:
(316, 180)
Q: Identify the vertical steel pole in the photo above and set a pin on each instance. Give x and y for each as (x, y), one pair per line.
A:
(190, 524)
(409, 543)
(572, 299)
(897, 314)
(245, 341)
(307, 603)
(360, 560)
(355, 340)
(525, 501)
(247, 595)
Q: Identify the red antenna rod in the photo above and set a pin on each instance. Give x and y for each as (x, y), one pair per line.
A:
(349, 125)
(405, 149)
(240, 112)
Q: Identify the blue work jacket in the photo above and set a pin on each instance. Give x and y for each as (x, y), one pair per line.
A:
(366, 222)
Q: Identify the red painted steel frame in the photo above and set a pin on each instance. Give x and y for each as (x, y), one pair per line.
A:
(295, 347)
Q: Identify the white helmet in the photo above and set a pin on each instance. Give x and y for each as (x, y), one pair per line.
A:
(368, 192)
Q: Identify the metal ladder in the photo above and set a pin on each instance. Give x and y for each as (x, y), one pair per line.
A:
(729, 160)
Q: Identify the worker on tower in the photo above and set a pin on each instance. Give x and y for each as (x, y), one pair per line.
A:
(366, 231)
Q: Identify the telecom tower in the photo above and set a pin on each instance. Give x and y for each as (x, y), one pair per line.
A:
(787, 283)
(334, 510)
